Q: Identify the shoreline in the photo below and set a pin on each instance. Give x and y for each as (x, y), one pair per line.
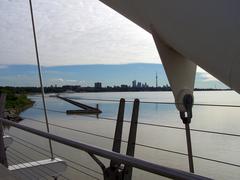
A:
(13, 114)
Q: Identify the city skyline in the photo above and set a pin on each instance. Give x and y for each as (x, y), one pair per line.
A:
(87, 75)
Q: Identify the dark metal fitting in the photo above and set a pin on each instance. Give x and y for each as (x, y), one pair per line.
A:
(188, 104)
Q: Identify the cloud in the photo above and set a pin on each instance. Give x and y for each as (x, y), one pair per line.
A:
(62, 81)
(3, 66)
(59, 79)
(71, 81)
(71, 32)
(205, 76)
(51, 72)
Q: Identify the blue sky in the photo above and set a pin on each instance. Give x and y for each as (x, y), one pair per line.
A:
(86, 75)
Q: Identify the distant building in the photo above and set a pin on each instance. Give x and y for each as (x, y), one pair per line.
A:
(134, 83)
(98, 85)
(145, 85)
(156, 80)
(124, 86)
(139, 84)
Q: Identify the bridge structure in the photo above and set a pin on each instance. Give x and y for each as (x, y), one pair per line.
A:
(180, 52)
(121, 166)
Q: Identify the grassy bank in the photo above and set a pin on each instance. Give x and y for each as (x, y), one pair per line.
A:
(15, 104)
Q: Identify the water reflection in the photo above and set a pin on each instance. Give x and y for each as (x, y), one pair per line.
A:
(224, 148)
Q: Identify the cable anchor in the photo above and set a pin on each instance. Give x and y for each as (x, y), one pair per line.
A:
(188, 104)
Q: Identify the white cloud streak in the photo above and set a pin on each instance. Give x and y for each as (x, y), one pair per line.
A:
(62, 81)
(71, 32)
(205, 75)
(3, 66)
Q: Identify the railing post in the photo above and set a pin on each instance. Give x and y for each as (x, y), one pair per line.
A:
(132, 138)
(188, 103)
(118, 131)
(189, 146)
(97, 107)
(3, 157)
(118, 170)
(113, 171)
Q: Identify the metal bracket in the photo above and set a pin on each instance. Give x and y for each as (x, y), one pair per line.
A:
(117, 170)
(188, 104)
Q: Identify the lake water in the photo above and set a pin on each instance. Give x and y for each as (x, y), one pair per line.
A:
(213, 146)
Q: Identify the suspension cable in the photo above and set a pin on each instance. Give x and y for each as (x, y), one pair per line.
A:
(40, 74)
(151, 147)
(142, 123)
(156, 102)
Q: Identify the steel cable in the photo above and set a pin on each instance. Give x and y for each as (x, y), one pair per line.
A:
(156, 102)
(142, 123)
(179, 153)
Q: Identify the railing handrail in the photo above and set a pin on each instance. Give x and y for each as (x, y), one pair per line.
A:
(128, 160)
(145, 145)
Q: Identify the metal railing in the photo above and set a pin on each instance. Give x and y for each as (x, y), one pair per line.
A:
(126, 160)
(141, 144)
(157, 169)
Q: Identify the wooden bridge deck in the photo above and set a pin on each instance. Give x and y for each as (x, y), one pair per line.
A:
(5, 174)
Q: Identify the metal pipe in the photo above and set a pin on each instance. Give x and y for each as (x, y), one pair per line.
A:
(128, 160)
(3, 157)
(189, 148)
